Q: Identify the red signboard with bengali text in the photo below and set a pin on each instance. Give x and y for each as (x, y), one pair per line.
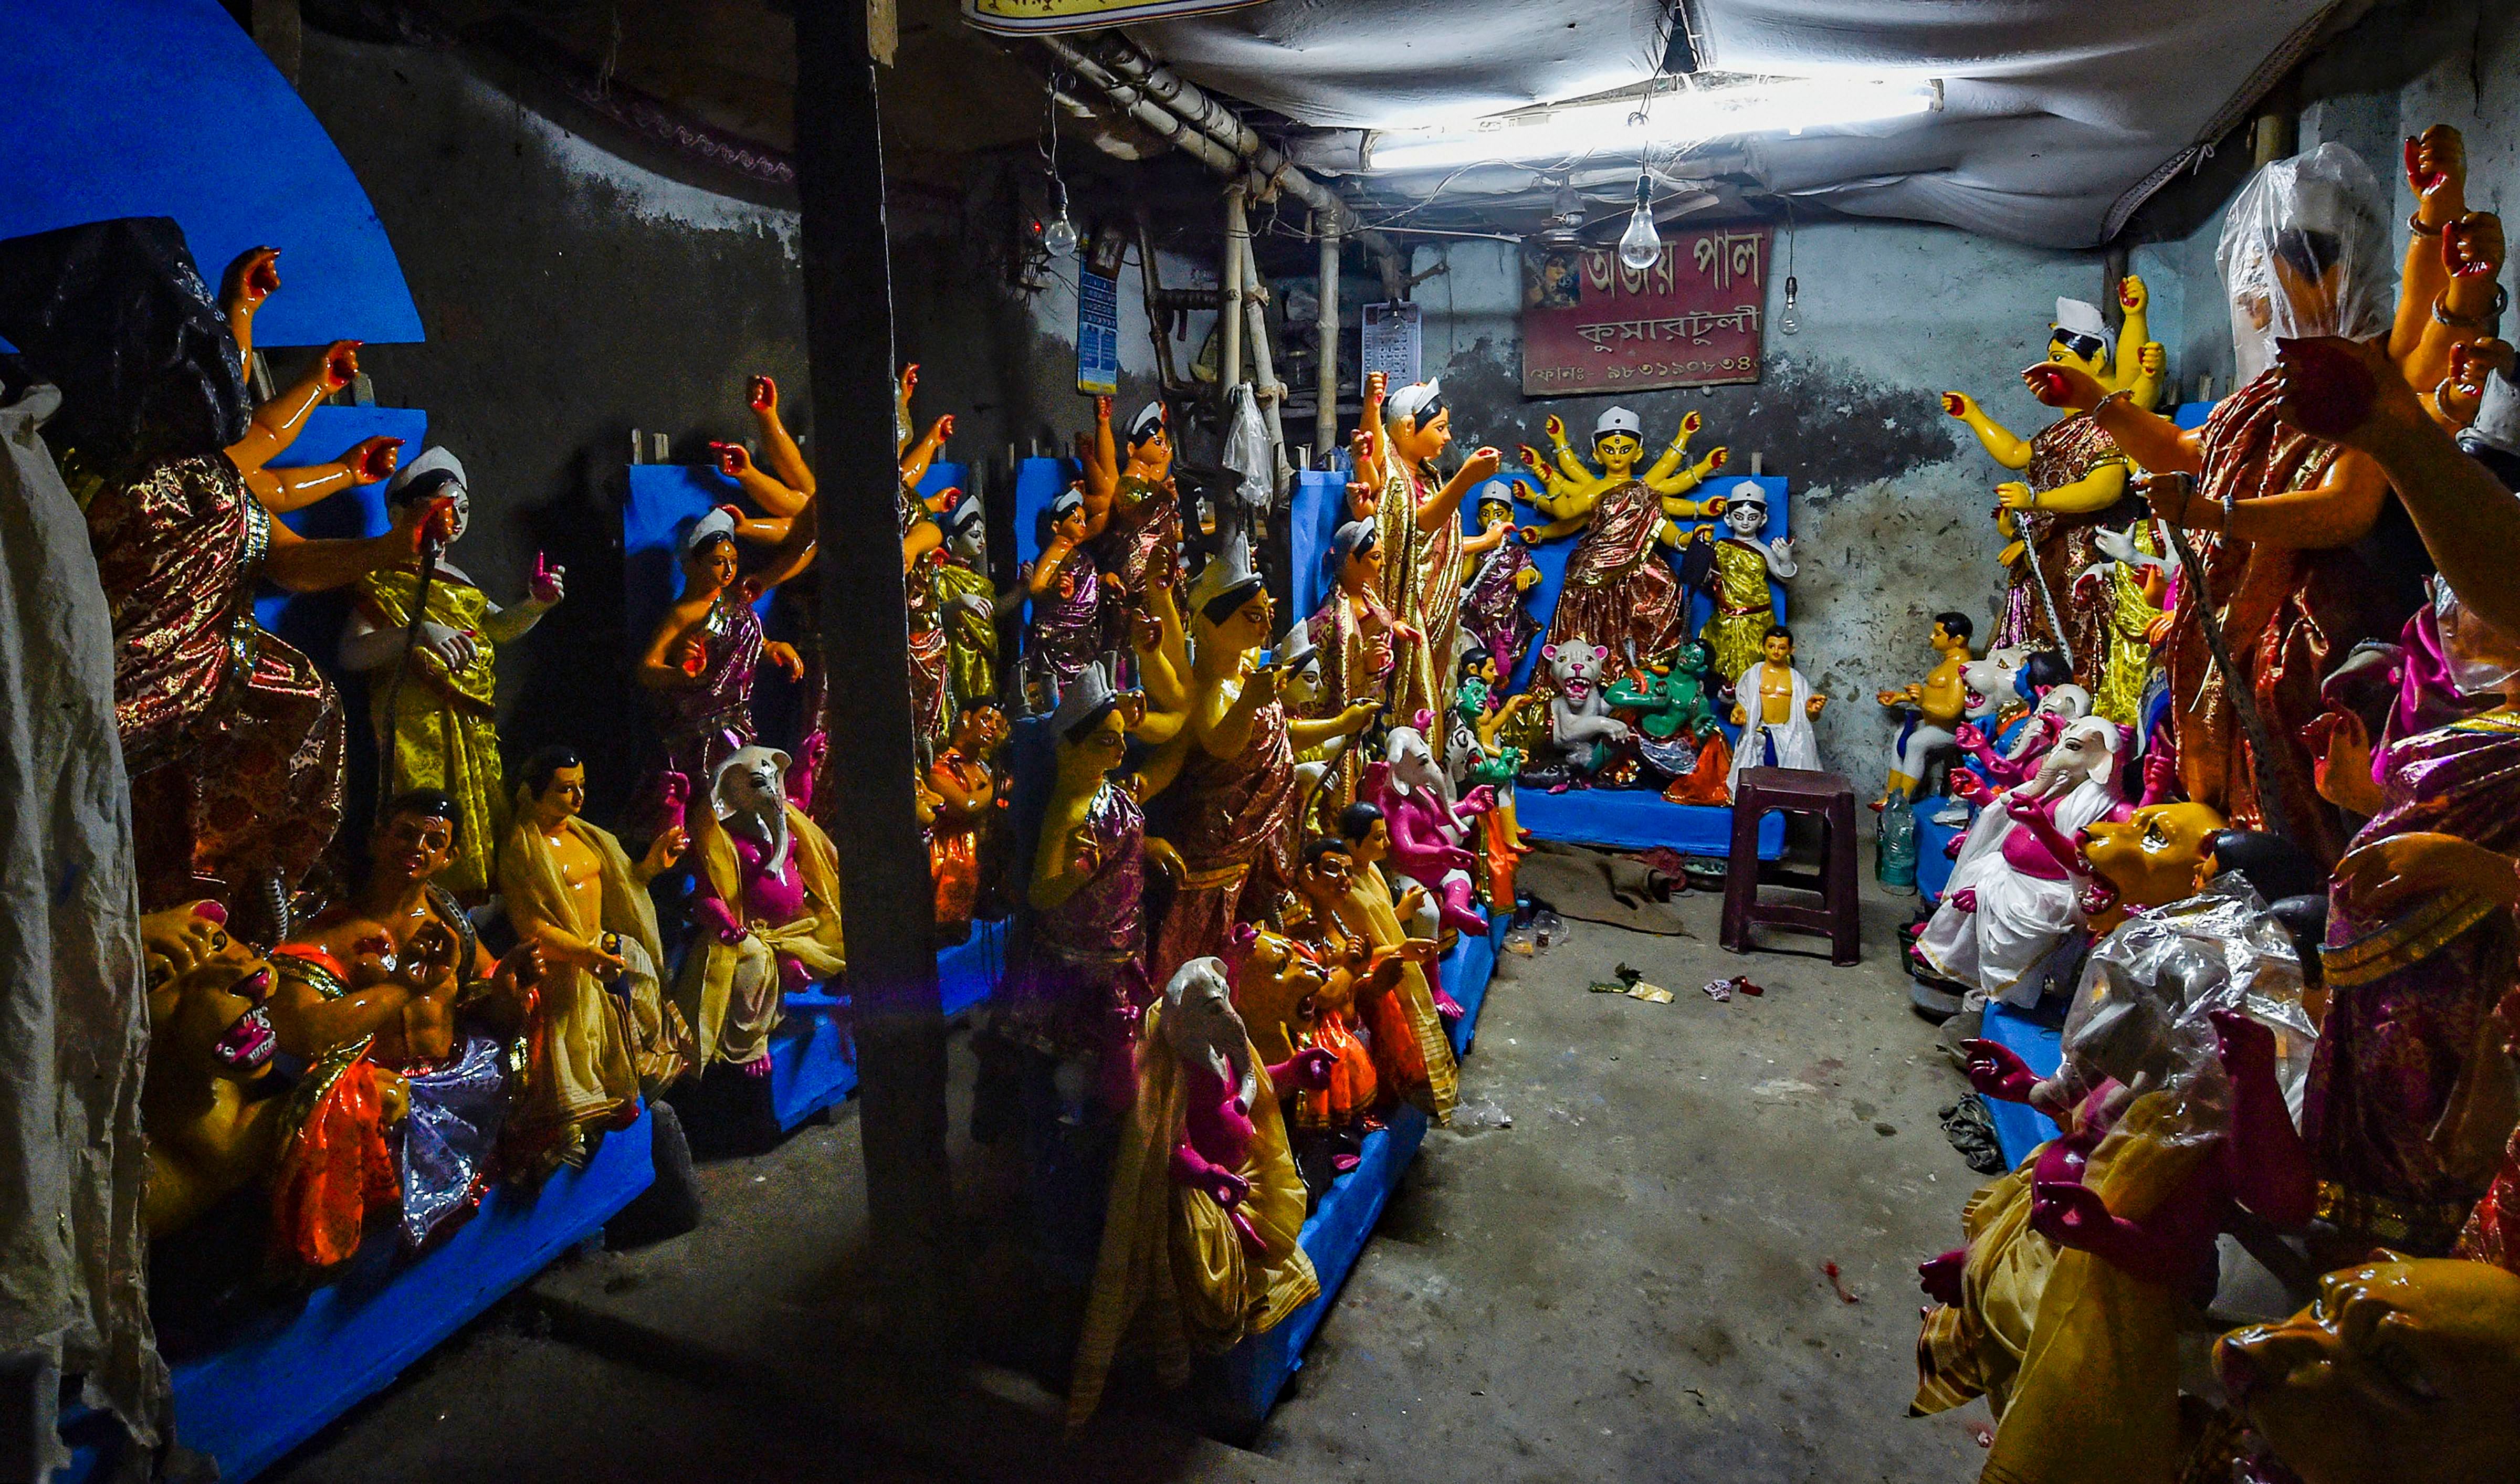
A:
(1592, 325)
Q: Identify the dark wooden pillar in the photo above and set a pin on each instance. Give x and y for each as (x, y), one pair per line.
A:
(866, 652)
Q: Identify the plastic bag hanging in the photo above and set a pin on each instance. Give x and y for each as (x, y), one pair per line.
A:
(1247, 454)
(2304, 253)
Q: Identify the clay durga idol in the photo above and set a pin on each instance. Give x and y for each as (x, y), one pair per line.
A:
(2073, 478)
(703, 654)
(2277, 513)
(1232, 812)
(440, 675)
(1075, 994)
(1619, 592)
(232, 739)
(1418, 517)
(1132, 512)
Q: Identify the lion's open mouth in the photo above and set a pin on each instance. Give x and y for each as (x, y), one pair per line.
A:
(249, 1043)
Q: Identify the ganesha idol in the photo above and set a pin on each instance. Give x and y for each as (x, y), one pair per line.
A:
(768, 906)
(2064, 1308)
(1199, 1233)
(2017, 886)
(1428, 826)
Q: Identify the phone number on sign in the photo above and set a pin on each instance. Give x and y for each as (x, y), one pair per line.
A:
(1578, 375)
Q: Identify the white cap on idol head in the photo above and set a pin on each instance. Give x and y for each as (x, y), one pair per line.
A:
(1419, 401)
(2076, 317)
(1081, 701)
(1618, 420)
(707, 528)
(436, 460)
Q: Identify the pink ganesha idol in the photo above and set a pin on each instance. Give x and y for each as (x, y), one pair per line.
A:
(1427, 825)
(769, 901)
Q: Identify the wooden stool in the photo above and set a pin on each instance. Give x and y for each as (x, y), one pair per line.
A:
(1795, 790)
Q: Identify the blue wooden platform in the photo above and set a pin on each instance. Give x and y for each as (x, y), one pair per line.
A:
(2019, 1127)
(1933, 867)
(297, 1365)
(811, 1065)
(1637, 819)
(1466, 972)
(1257, 1371)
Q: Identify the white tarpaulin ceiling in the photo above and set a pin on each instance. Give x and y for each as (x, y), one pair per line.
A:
(2060, 116)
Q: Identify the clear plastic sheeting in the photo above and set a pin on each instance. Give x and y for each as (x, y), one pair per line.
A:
(71, 1001)
(1247, 454)
(2305, 254)
(2142, 1014)
(2059, 118)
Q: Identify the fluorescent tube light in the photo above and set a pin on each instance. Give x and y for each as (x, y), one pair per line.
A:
(1685, 117)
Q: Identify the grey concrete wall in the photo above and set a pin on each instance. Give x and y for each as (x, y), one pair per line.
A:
(572, 294)
(1891, 499)
(568, 298)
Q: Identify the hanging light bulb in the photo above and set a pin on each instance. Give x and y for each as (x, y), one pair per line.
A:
(1788, 322)
(1060, 237)
(1640, 246)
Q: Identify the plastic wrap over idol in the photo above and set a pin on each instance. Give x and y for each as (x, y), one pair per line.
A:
(2304, 253)
(2141, 1015)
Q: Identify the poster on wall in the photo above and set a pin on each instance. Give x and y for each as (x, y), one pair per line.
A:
(1591, 324)
(1097, 334)
(1034, 17)
(1390, 344)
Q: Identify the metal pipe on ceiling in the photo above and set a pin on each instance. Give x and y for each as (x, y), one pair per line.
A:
(1148, 114)
(1180, 112)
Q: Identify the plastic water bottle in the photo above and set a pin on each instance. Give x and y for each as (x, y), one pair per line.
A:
(1895, 865)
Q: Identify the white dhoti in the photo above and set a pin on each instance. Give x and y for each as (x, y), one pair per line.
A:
(2019, 917)
(2018, 920)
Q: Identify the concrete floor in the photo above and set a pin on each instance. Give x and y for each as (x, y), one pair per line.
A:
(1628, 1283)
(1611, 1269)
